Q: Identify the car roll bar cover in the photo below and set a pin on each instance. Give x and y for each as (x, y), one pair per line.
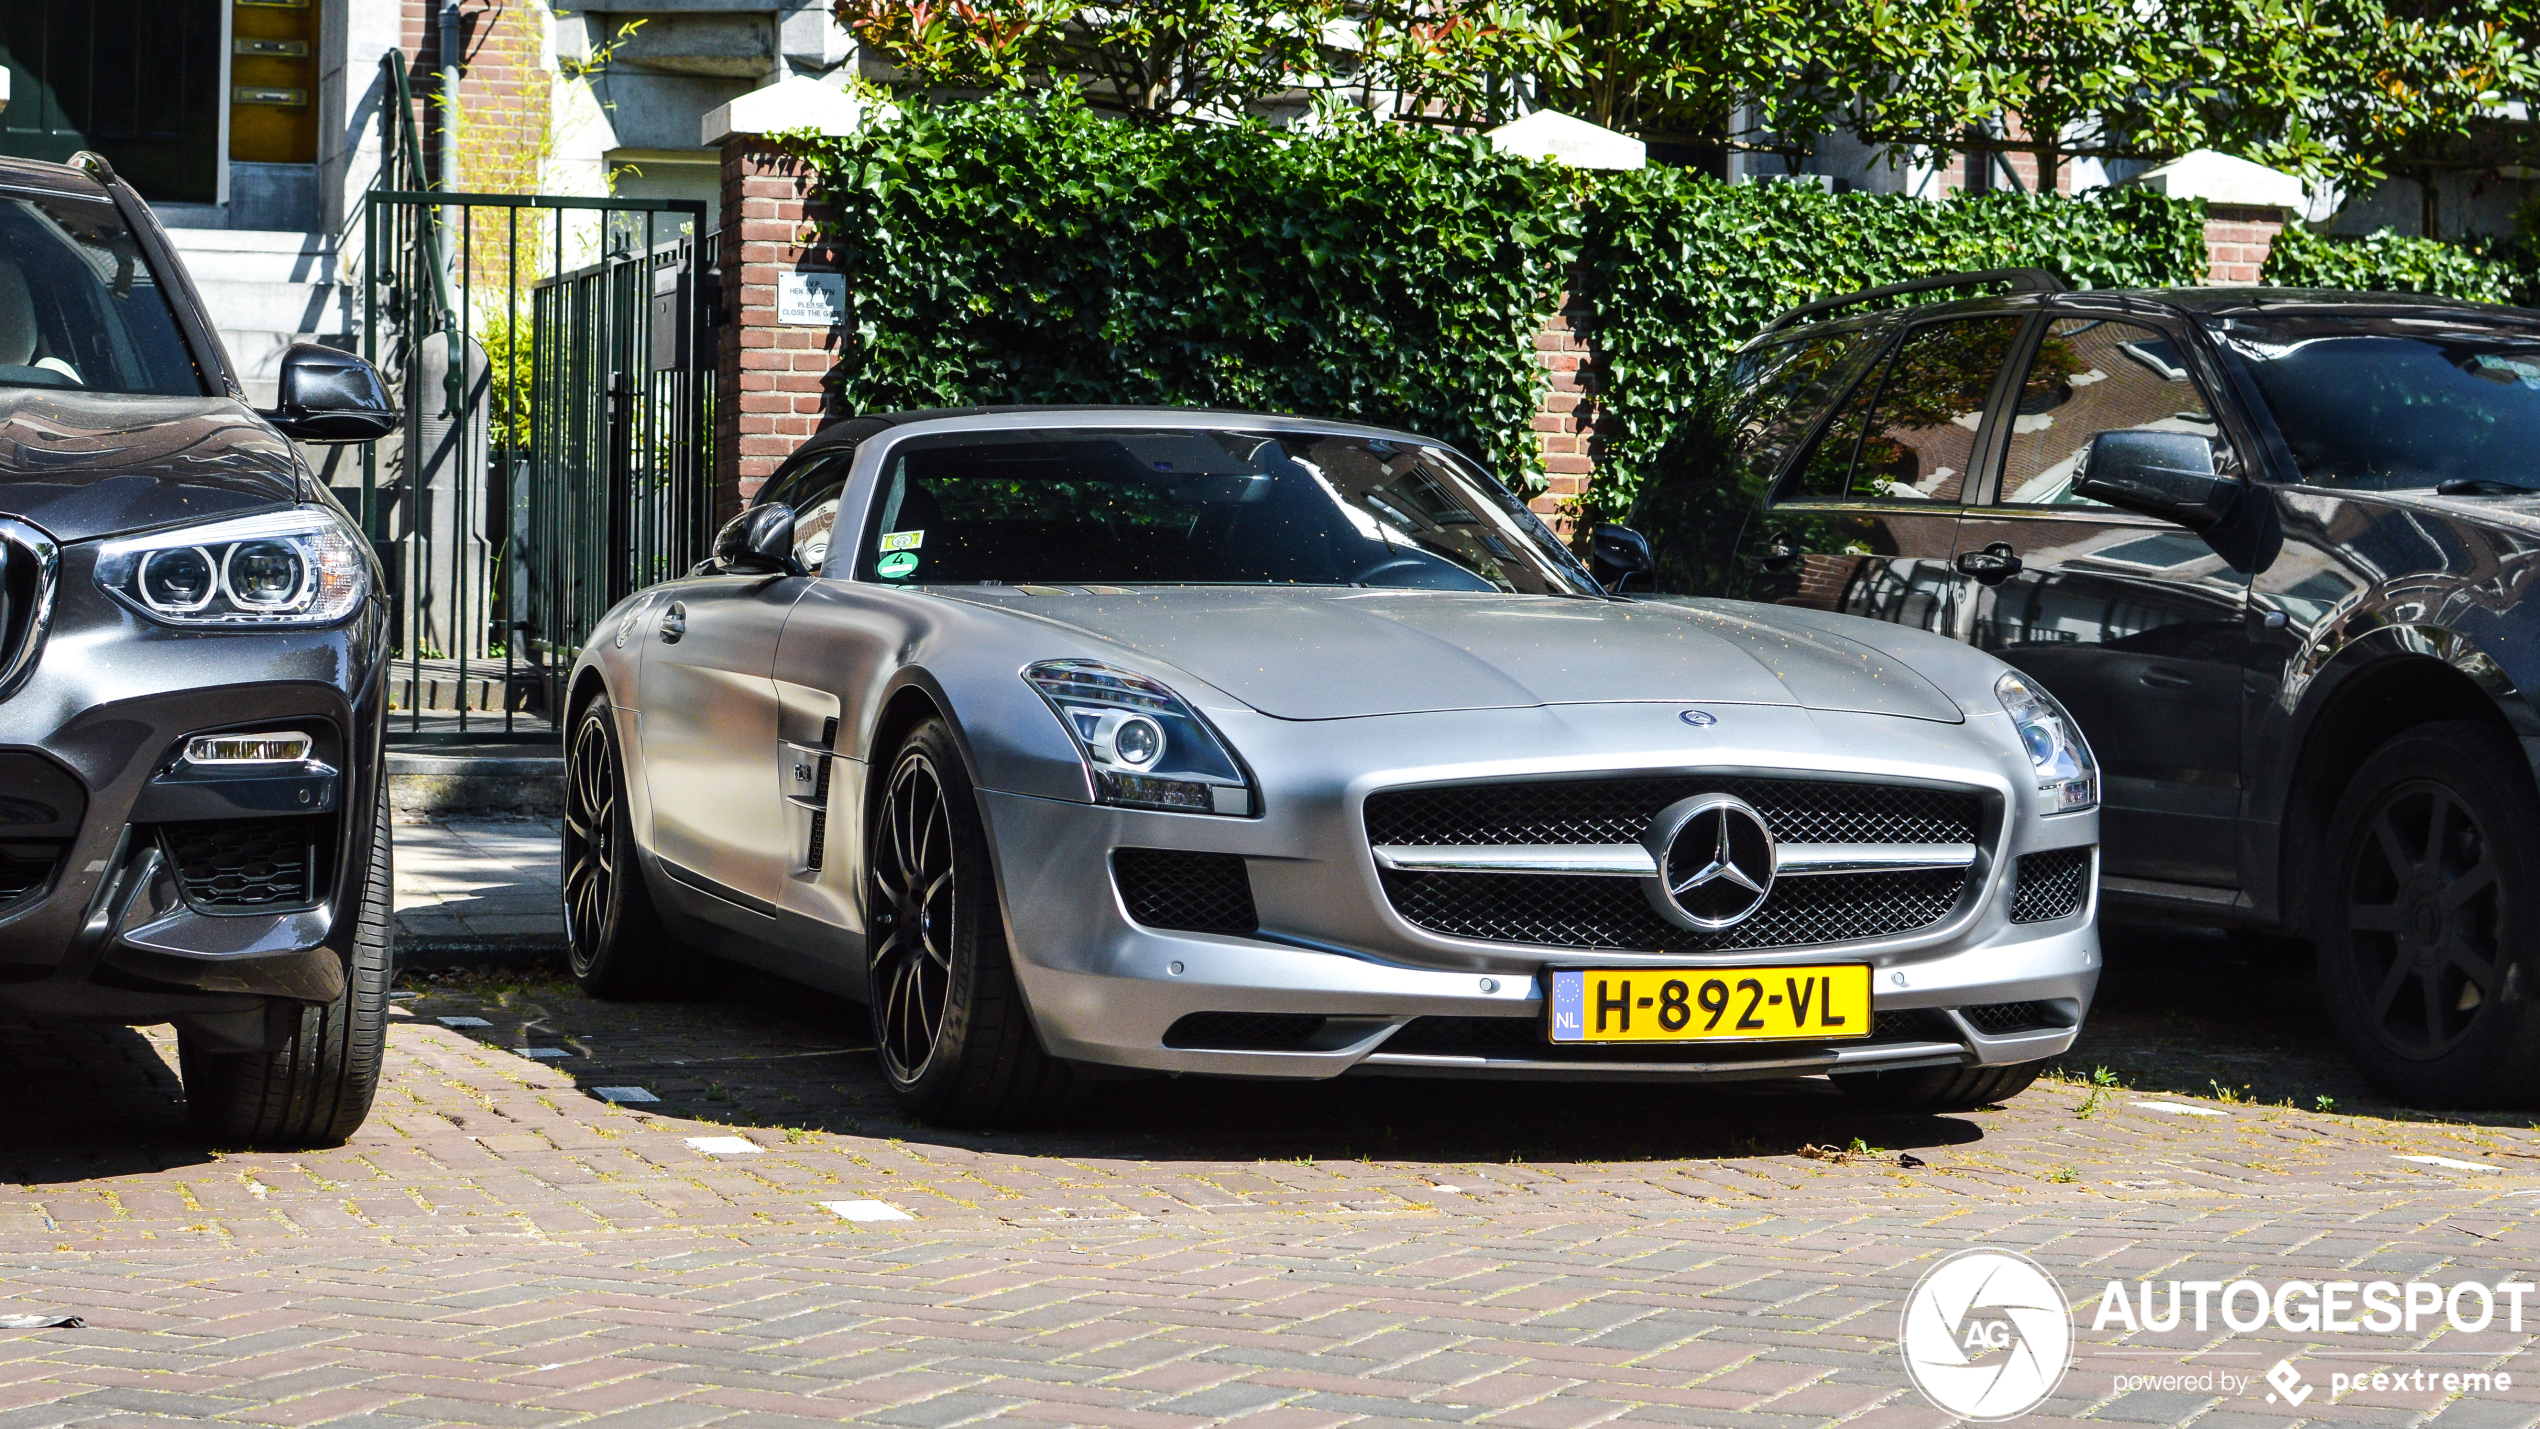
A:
(2020, 280)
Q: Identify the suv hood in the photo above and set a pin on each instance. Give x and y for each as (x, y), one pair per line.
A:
(89, 464)
(1309, 652)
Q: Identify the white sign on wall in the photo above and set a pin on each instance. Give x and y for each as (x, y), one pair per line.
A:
(811, 299)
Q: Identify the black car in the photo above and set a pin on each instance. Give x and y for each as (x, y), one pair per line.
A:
(2270, 547)
(192, 678)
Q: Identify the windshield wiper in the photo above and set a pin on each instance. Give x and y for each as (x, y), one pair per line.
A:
(2483, 486)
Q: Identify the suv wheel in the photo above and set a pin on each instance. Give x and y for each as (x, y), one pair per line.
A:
(1939, 1089)
(316, 1088)
(614, 936)
(2433, 889)
(949, 1023)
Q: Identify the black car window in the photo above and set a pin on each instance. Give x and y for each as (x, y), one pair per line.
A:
(813, 490)
(79, 305)
(2380, 404)
(1776, 390)
(1204, 506)
(2091, 375)
(1915, 438)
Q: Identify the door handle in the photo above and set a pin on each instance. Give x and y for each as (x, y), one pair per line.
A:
(674, 624)
(2165, 680)
(1991, 566)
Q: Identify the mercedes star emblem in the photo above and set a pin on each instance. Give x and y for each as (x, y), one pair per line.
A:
(1716, 861)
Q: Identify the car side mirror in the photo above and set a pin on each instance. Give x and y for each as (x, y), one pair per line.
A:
(330, 398)
(2166, 474)
(1621, 551)
(759, 539)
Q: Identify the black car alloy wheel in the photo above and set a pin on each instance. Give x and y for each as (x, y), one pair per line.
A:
(590, 840)
(914, 887)
(2424, 910)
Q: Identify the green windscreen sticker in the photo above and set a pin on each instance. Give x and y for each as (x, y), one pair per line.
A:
(896, 564)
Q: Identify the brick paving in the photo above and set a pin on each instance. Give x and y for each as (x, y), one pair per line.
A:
(501, 1245)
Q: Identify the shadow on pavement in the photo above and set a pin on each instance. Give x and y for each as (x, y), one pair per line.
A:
(89, 1101)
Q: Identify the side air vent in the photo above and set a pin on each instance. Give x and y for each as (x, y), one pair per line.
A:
(1185, 892)
(2051, 885)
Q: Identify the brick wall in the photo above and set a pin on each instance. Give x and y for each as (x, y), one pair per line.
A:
(1566, 425)
(771, 391)
(2236, 241)
(504, 104)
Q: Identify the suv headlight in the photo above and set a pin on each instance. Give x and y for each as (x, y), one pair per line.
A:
(2066, 773)
(1145, 748)
(285, 568)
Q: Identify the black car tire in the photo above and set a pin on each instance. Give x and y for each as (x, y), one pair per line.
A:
(1938, 1089)
(2432, 894)
(615, 940)
(950, 1026)
(316, 1088)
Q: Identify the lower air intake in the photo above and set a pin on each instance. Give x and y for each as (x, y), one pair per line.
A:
(2051, 885)
(1242, 1031)
(1185, 892)
(246, 864)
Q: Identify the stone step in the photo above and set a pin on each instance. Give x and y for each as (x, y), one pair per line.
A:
(255, 255)
(311, 309)
(491, 778)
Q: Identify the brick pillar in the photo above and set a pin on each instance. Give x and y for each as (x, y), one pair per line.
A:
(1566, 423)
(2237, 237)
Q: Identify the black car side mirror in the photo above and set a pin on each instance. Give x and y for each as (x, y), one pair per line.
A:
(2166, 474)
(1622, 551)
(330, 397)
(759, 539)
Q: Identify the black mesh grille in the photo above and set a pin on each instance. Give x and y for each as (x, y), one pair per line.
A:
(1523, 1037)
(1242, 1030)
(819, 841)
(23, 874)
(247, 863)
(1192, 892)
(1550, 910)
(1996, 1018)
(1618, 811)
(2050, 885)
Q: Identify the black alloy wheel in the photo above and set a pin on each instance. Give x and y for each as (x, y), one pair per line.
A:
(916, 916)
(614, 936)
(2431, 894)
(955, 1038)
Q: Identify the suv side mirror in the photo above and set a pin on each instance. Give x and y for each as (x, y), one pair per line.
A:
(330, 397)
(1622, 551)
(2166, 474)
(759, 539)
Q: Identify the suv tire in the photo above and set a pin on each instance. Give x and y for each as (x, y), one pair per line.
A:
(316, 1088)
(615, 940)
(1939, 1089)
(2431, 911)
(950, 1025)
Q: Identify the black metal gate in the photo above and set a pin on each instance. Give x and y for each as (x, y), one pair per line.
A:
(554, 360)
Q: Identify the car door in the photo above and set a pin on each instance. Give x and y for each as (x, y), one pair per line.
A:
(1867, 522)
(830, 645)
(707, 725)
(2134, 623)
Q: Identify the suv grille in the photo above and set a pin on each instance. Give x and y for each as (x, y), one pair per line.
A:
(1552, 910)
(1190, 892)
(27, 571)
(248, 863)
(2051, 885)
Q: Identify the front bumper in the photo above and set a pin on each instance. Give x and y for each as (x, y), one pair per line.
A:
(1395, 998)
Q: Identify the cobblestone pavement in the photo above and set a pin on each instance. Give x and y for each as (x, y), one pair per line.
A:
(503, 1245)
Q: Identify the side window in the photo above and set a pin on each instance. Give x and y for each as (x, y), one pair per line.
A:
(814, 491)
(1780, 389)
(1910, 434)
(1826, 473)
(2091, 375)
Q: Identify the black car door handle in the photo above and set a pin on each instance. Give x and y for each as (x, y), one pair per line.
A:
(1991, 566)
(674, 624)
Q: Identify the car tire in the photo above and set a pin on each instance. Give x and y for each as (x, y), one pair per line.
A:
(615, 941)
(316, 1088)
(2431, 892)
(1938, 1089)
(950, 1026)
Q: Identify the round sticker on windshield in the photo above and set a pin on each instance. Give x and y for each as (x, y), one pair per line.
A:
(896, 564)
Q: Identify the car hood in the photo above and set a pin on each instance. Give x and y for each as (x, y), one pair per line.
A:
(83, 464)
(1338, 652)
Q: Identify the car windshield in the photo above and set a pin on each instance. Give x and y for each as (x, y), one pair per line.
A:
(79, 307)
(1198, 506)
(2400, 403)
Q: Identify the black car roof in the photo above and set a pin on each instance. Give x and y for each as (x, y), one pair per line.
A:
(2208, 303)
(49, 178)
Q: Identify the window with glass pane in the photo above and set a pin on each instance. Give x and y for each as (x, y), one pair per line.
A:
(1921, 434)
(1825, 474)
(2090, 376)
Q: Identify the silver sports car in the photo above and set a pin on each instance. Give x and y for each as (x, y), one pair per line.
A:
(1203, 742)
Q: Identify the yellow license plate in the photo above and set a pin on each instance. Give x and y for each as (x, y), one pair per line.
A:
(1820, 1003)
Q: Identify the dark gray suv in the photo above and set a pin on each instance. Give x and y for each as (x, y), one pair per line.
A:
(192, 828)
(2270, 547)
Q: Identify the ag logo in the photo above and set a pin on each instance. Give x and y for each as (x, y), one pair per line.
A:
(1986, 1335)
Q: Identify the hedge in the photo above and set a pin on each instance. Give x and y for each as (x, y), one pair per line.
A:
(1027, 251)
(2386, 262)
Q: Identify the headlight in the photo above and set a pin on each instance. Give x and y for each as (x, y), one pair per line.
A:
(2066, 773)
(288, 568)
(1145, 748)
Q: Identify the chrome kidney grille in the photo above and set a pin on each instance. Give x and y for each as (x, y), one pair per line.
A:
(29, 562)
(1833, 836)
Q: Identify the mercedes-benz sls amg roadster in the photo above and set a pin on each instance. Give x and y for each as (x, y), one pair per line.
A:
(1197, 742)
